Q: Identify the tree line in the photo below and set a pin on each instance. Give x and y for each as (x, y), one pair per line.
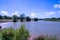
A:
(15, 18)
(5, 17)
(52, 19)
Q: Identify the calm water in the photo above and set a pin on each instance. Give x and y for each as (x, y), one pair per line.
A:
(36, 28)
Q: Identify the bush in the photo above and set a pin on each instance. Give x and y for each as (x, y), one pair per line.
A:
(35, 19)
(15, 18)
(8, 34)
(0, 34)
(22, 33)
(42, 37)
(28, 18)
(22, 17)
(18, 34)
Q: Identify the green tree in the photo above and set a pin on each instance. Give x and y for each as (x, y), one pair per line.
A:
(22, 17)
(15, 18)
(35, 19)
(28, 18)
(0, 17)
(5, 17)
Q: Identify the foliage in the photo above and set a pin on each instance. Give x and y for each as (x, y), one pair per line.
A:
(0, 17)
(18, 34)
(5, 17)
(42, 37)
(52, 19)
(0, 34)
(35, 19)
(22, 17)
(28, 18)
(15, 18)
(8, 34)
(22, 33)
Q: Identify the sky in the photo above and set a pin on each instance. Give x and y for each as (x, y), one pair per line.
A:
(31, 8)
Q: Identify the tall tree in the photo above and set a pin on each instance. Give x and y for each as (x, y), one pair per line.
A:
(22, 17)
(28, 18)
(0, 17)
(35, 19)
(15, 18)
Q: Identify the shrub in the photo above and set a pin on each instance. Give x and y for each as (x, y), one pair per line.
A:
(22, 17)
(28, 18)
(35, 19)
(0, 34)
(23, 33)
(18, 34)
(15, 18)
(8, 34)
(42, 37)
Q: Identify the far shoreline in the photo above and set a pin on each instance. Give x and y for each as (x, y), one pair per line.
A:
(11, 20)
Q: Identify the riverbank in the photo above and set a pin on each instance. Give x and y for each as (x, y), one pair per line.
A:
(11, 20)
(7, 20)
(53, 20)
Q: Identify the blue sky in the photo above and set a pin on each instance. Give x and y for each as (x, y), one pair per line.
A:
(32, 8)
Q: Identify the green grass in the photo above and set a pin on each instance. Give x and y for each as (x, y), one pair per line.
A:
(0, 34)
(11, 34)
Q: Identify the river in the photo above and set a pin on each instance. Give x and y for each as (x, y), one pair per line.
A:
(36, 28)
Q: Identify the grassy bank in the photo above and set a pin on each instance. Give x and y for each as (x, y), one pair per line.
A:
(12, 34)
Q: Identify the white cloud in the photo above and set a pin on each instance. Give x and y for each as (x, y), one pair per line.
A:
(56, 5)
(15, 13)
(33, 14)
(49, 13)
(4, 13)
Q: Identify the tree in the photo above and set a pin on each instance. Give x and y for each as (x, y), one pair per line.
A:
(22, 17)
(9, 17)
(59, 18)
(35, 19)
(5, 17)
(1, 17)
(15, 18)
(28, 18)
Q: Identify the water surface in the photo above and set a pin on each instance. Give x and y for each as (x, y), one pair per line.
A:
(36, 28)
